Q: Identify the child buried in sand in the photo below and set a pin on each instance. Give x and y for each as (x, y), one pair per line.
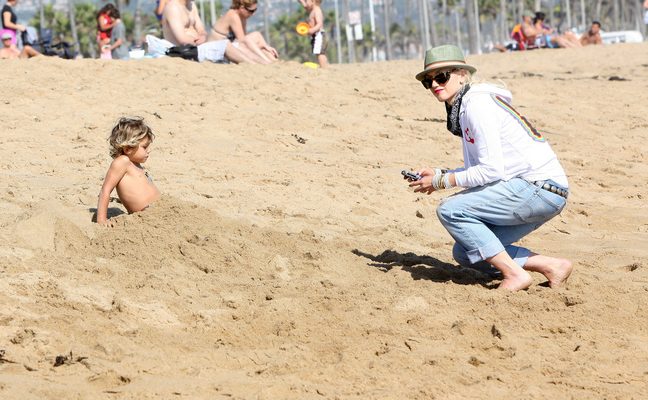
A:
(130, 142)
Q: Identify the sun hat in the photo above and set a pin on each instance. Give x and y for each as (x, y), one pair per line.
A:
(528, 13)
(7, 35)
(443, 57)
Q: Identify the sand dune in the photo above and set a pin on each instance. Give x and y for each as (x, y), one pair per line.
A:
(287, 259)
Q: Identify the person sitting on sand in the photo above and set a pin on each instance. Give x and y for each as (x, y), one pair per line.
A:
(9, 51)
(547, 38)
(231, 26)
(130, 142)
(593, 35)
(181, 25)
(513, 180)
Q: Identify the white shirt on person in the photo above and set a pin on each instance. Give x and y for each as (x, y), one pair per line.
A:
(500, 144)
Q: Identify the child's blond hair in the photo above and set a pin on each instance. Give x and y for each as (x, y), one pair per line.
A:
(128, 132)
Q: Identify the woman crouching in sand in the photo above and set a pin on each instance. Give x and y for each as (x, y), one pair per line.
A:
(514, 182)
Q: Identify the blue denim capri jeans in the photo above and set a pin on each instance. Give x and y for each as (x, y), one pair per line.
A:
(486, 220)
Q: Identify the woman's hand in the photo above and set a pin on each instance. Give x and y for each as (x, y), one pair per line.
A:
(272, 51)
(424, 185)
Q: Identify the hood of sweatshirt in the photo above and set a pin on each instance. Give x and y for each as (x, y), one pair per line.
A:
(486, 88)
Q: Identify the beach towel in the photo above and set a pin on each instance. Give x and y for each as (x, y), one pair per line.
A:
(209, 51)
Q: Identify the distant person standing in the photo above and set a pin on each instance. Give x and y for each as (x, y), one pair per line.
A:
(646, 12)
(9, 20)
(104, 27)
(593, 36)
(118, 43)
(319, 42)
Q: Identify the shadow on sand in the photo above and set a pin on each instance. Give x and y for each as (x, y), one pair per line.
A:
(430, 268)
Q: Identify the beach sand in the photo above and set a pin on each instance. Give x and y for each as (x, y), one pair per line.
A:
(288, 259)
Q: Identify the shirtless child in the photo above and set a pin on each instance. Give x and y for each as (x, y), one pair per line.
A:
(130, 142)
(316, 30)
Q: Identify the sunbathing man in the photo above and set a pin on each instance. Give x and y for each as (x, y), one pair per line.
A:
(181, 24)
(9, 50)
(593, 36)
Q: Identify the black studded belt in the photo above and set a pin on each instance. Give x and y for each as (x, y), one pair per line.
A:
(552, 187)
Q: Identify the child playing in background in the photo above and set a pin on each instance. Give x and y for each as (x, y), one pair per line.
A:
(130, 142)
(319, 41)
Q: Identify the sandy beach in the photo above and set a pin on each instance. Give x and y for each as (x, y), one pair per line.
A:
(287, 259)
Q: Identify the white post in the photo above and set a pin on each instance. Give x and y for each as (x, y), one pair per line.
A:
(568, 14)
(212, 12)
(479, 45)
(338, 40)
(372, 22)
(426, 25)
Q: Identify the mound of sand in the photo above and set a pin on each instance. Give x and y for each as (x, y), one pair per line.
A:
(287, 259)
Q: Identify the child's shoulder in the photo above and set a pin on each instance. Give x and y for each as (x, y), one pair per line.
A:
(121, 162)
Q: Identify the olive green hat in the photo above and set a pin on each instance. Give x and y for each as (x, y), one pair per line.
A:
(443, 57)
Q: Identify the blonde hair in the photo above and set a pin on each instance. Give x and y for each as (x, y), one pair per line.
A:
(236, 4)
(128, 133)
(473, 80)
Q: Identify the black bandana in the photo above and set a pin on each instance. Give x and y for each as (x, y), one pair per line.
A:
(453, 112)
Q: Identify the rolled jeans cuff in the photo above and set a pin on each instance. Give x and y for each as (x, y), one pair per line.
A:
(519, 254)
(484, 252)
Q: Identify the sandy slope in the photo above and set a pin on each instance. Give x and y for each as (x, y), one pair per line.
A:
(287, 259)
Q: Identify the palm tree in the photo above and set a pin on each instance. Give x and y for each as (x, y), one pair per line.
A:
(73, 30)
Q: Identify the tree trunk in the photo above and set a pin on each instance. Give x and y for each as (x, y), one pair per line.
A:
(350, 40)
(444, 21)
(615, 15)
(432, 22)
(212, 12)
(138, 24)
(426, 24)
(338, 40)
(41, 10)
(75, 37)
(503, 22)
(472, 23)
(389, 51)
(266, 19)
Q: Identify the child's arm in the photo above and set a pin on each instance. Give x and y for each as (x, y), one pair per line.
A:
(303, 3)
(115, 174)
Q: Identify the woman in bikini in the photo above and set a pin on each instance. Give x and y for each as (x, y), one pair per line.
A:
(231, 26)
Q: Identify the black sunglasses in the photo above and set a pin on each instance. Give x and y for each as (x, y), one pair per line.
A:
(251, 11)
(440, 78)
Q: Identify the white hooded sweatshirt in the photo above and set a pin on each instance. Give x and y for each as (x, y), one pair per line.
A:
(500, 144)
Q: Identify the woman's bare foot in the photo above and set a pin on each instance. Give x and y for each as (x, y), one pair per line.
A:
(516, 282)
(556, 270)
(515, 278)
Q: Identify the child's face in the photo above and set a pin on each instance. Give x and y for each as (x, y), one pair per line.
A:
(140, 153)
(309, 4)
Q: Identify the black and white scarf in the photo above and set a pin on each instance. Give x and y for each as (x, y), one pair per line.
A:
(453, 111)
